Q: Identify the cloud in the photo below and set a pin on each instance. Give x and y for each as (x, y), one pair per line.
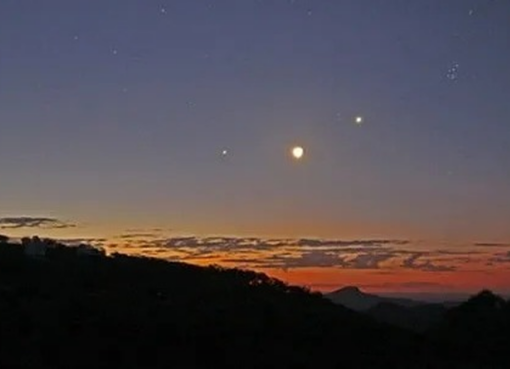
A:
(370, 260)
(456, 253)
(410, 285)
(272, 253)
(147, 230)
(382, 255)
(130, 236)
(86, 240)
(343, 259)
(412, 262)
(346, 243)
(315, 258)
(33, 222)
(499, 258)
(229, 243)
(491, 244)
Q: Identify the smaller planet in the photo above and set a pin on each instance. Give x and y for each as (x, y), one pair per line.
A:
(298, 152)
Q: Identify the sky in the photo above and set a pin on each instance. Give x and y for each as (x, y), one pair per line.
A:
(165, 128)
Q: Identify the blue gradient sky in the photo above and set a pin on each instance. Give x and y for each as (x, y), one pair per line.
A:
(114, 114)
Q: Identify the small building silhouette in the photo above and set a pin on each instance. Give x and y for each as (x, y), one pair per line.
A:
(88, 250)
(34, 247)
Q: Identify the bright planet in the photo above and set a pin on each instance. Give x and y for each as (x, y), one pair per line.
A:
(298, 152)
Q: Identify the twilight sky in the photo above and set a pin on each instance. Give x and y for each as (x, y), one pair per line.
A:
(115, 115)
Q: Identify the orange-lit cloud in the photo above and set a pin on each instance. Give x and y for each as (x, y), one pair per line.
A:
(321, 263)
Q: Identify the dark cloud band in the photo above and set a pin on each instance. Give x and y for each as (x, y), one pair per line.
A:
(34, 222)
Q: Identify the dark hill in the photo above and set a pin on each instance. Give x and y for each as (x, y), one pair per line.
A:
(419, 318)
(481, 326)
(71, 311)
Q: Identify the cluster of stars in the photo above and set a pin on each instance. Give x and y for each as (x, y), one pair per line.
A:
(453, 71)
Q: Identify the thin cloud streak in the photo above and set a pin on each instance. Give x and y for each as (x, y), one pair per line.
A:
(491, 244)
(34, 222)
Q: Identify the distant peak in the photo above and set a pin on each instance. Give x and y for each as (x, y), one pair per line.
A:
(486, 298)
(350, 289)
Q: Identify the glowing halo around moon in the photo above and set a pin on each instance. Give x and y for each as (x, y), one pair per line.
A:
(298, 152)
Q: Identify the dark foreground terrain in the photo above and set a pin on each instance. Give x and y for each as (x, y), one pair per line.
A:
(72, 311)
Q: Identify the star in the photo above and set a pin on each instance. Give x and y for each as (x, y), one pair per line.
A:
(359, 120)
(163, 11)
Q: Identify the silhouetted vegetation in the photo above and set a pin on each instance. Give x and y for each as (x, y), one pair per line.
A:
(73, 310)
